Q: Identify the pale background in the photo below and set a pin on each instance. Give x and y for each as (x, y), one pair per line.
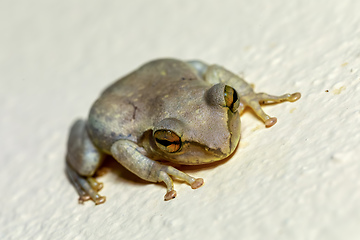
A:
(296, 180)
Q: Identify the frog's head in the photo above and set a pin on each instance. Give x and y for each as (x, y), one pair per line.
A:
(204, 130)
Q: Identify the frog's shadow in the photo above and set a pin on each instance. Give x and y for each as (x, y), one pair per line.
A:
(112, 166)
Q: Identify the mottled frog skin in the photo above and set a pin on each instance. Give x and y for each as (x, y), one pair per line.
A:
(182, 112)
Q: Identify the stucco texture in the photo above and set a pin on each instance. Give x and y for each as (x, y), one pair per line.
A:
(296, 180)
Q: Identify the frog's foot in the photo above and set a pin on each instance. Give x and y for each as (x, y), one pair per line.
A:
(254, 100)
(87, 187)
(128, 154)
(82, 160)
(164, 177)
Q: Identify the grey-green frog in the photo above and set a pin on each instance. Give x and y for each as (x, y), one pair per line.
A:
(182, 112)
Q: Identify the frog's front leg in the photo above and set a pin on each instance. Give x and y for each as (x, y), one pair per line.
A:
(128, 154)
(253, 100)
(82, 160)
(216, 74)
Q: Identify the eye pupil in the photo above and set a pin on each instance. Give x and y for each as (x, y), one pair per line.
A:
(164, 142)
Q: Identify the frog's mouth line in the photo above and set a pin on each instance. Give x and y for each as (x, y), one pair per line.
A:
(215, 152)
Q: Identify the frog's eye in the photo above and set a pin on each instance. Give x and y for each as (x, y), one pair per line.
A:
(231, 98)
(167, 140)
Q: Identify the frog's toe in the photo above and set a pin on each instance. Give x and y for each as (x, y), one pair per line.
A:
(170, 195)
(197, 183)
(294, 97)
(84, 198)
(270, 122)
(87, 187)
(97, 186)
(100, 200)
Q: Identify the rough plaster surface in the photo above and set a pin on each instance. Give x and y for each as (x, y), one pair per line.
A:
(296, 180)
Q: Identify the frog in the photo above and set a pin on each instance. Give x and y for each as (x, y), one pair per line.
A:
(166, 111)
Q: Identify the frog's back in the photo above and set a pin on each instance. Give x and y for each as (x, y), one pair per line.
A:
(151, 74)
(127, 108)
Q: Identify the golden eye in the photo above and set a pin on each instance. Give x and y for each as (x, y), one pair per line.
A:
(231, 98)
(167, 140)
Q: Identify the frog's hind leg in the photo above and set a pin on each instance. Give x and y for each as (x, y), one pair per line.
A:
(253, 100)
(82, 160)
(128, 154)
(87, 187)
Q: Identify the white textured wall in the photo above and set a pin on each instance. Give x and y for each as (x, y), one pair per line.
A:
(296, 180)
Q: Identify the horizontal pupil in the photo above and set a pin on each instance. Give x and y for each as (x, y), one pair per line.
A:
(166, 143)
